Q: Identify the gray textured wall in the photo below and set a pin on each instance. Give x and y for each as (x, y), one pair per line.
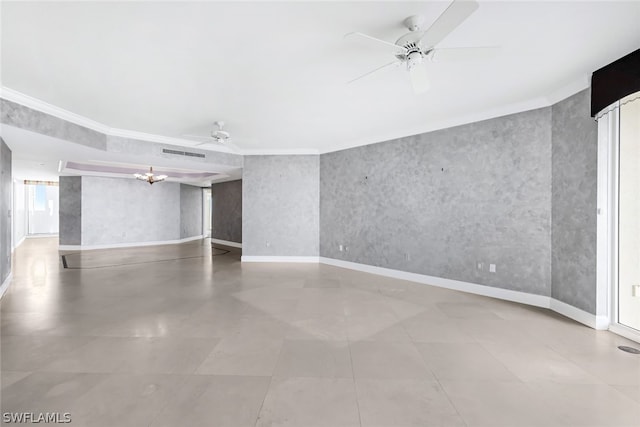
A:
(116, 210)
(439, 202)
(5, 209)
(190, 211)
(280, 201)
(226, 215)
(574, 160)
(17, 115)
(70, 210)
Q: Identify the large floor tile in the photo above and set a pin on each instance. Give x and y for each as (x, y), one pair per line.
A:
(536, 363)
(431, 326)
(221, 401)
(8, 378)
(316, 359)
(310, 402)
(33, 352)
(136, 355)
(392, 360)
(493, 404)
(48, 391)
(405, 403)
(197, 340)
(469, 362)
(124, 400)
(239, 355)
(590, 404)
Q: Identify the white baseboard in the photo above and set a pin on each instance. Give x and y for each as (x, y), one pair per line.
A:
(127, 245)
(313, 259)
(626, 332)
(457, 285)
(5, 284)
(588, 319)
(581, 316)
(226, 243)
(21, 241)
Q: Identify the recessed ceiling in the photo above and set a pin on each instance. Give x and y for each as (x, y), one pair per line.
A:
(276, 72)
(39, 157)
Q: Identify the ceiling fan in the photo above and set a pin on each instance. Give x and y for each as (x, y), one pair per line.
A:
(418, 46)
(218, 136)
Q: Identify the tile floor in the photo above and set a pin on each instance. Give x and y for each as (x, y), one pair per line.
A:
(175, 337)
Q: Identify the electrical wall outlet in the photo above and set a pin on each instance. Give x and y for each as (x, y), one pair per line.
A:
(492, 268)
(480, 265)
(635, 291)
(341, 248)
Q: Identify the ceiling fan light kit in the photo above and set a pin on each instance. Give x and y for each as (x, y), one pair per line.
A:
(150, 177)
(417, 47)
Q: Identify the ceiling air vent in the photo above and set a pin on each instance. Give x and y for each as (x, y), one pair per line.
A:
(182, 153)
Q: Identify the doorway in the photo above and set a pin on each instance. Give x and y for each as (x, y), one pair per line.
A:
(628, 286)
(42, 207)
(618, 242)
(206, 211)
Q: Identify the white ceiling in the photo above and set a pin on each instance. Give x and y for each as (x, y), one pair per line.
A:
(276, 72)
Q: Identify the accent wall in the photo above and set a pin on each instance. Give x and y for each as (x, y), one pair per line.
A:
(281, 200)
(226, 214)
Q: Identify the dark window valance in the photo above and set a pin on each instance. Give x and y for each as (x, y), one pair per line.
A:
(615, 81)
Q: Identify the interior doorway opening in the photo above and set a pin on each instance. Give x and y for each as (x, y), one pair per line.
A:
(628, 286)
(207, 204)
(42, 207)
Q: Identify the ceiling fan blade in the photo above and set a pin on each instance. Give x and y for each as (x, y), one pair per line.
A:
(388, 44)
(373, 71)
(419, 78)
(464, 53)
(232, 146)
(454, 15)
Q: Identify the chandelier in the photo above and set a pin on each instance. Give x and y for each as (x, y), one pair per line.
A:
(150, 177)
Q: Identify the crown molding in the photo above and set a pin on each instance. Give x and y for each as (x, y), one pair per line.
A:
(540, 102)
(50, 109)
(44, 107)
(281, 152)
(570, 89)
(492, 113)
(132, 134)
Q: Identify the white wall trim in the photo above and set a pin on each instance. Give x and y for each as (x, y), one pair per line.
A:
(457, 285)
(127, 245)
(500, 111)
(21, 241)
(45, 107)
(251, 258)
(281, 152)
(5, 284)
(581, 316)
(570, 89)
(624, 331)
(132, 134)
(227, 243)
(588, 319)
